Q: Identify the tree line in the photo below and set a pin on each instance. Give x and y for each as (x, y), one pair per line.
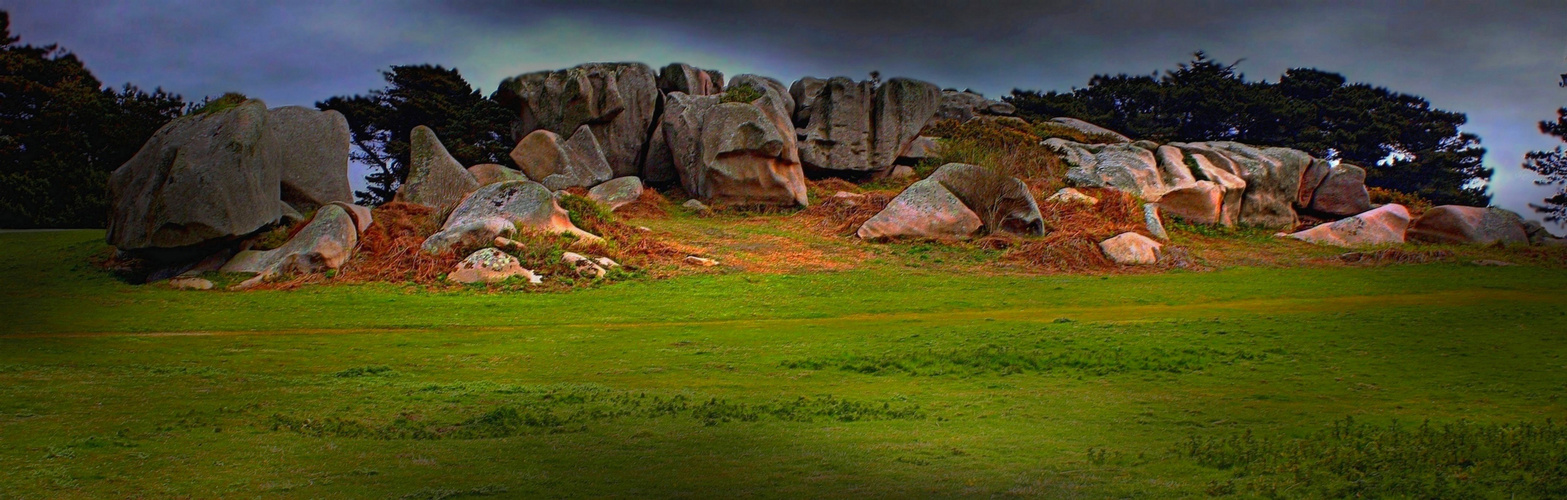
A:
(62, 132)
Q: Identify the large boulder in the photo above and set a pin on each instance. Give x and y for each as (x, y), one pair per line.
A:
(1131, 249)
(1342, 191)
(926, 209)
(311, 150)
(858, 128)
(964, 106)
(202, 178)
(902, 108)
(501, 209)
(1272, 178)
(618, 101)
(739, 153)
(1090, 129)
(1003, 203)
(325, 243)
(1461, 224)
(559, 163)
(836, 134)
(1385, 225)
(1127, 167)
(435, 179)
(659, 168)
(690, 80)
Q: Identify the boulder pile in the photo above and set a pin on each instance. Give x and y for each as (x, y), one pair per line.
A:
(956, 201)
(860, 128)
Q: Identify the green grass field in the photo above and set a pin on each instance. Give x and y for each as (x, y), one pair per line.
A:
(1433, 380)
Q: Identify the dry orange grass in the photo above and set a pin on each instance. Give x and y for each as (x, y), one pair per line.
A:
(651, 205)
(1071, 244)
(843, 216)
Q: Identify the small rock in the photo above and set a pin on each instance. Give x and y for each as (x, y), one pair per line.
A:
(1069, 195)
(901, 172)
(190, 283)
(586, 267)
(489, 266)
(616, 192)
(697, 205)
(606, 262)
(508, 243)
(699, 261)
(1131, 249)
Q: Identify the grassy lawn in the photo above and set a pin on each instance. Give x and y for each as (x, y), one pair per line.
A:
(895, 378)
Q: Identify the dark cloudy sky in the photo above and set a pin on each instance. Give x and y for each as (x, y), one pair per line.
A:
(1496, 61)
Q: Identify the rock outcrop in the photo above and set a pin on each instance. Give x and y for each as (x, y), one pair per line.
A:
(1131, 249)
(1090, 129)
(435, 179)
(860, 128)
(325, 243)
(964, 106)
(618, 101)
(740, 153)
(1385, 225)
(1460, 224)
(559, 163)
(1342, 191)
(926, 209)
(310, 148)
(689, 80)
(501, 209)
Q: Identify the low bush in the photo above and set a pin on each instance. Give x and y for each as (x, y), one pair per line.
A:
(1415, 203)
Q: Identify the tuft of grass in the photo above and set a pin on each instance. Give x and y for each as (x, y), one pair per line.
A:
(1044, 357)
(225, 102)
(1007, 146)
(1353, 459)
(741, 93)
(1415, 203)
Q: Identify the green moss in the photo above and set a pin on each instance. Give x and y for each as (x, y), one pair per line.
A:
(741, 93)
(224, 102)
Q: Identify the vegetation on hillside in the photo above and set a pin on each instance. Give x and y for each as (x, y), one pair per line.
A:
(1403, 142)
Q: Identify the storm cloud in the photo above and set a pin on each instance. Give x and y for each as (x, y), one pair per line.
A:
(1496, 61)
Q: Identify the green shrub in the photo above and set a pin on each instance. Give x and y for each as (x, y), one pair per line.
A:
(224, 102)
(741, 93)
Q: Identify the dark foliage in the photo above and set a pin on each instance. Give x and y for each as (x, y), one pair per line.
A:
(1405, 144)
(61, 134)
(469, 125)
(1553, 166)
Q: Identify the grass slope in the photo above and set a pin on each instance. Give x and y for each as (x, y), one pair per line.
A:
(879, 381)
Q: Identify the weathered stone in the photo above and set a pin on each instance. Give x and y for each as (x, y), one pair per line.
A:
(1071, 196)
(1537, 232)
(618, 101)
(901, 172)
(326, 242)
(696, 205)
(1385, 225)
(490, 173)
(559, 164)
(1342, 192)
(923, 147)
(1003, 203)
(1125, 167)
(902, 108)
(362, 215)
(183, 282)
(1460, 224)
(926, 209)
(1154, 222)
(435, 179)
(659, 168)
(1201, 203)
(490, 266)
(501, 209)
(1090, 129)
(585, 267)
(682, 127)
(1310, 180)
(616, 192)
(201, 178)
(964, 106)
(311, 150)
(1131, 249)
(690, 80)
(804, 92)
(837, 130)
(1272, 178)
(1231, 187)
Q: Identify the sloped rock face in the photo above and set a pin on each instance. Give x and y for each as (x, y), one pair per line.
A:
(559, 163)
(1131, 249)
(1125, 167)
(736, 153)
(618, 101)
(199, 179)
(1003, 203)
(1461, 224)
(926, 209)
(326, 242)
(311, 149)
(490, 173)
(858, 128)
(435, 179)
(1272, 178)
(689, 80)
(499, 210)
(1386, 225)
